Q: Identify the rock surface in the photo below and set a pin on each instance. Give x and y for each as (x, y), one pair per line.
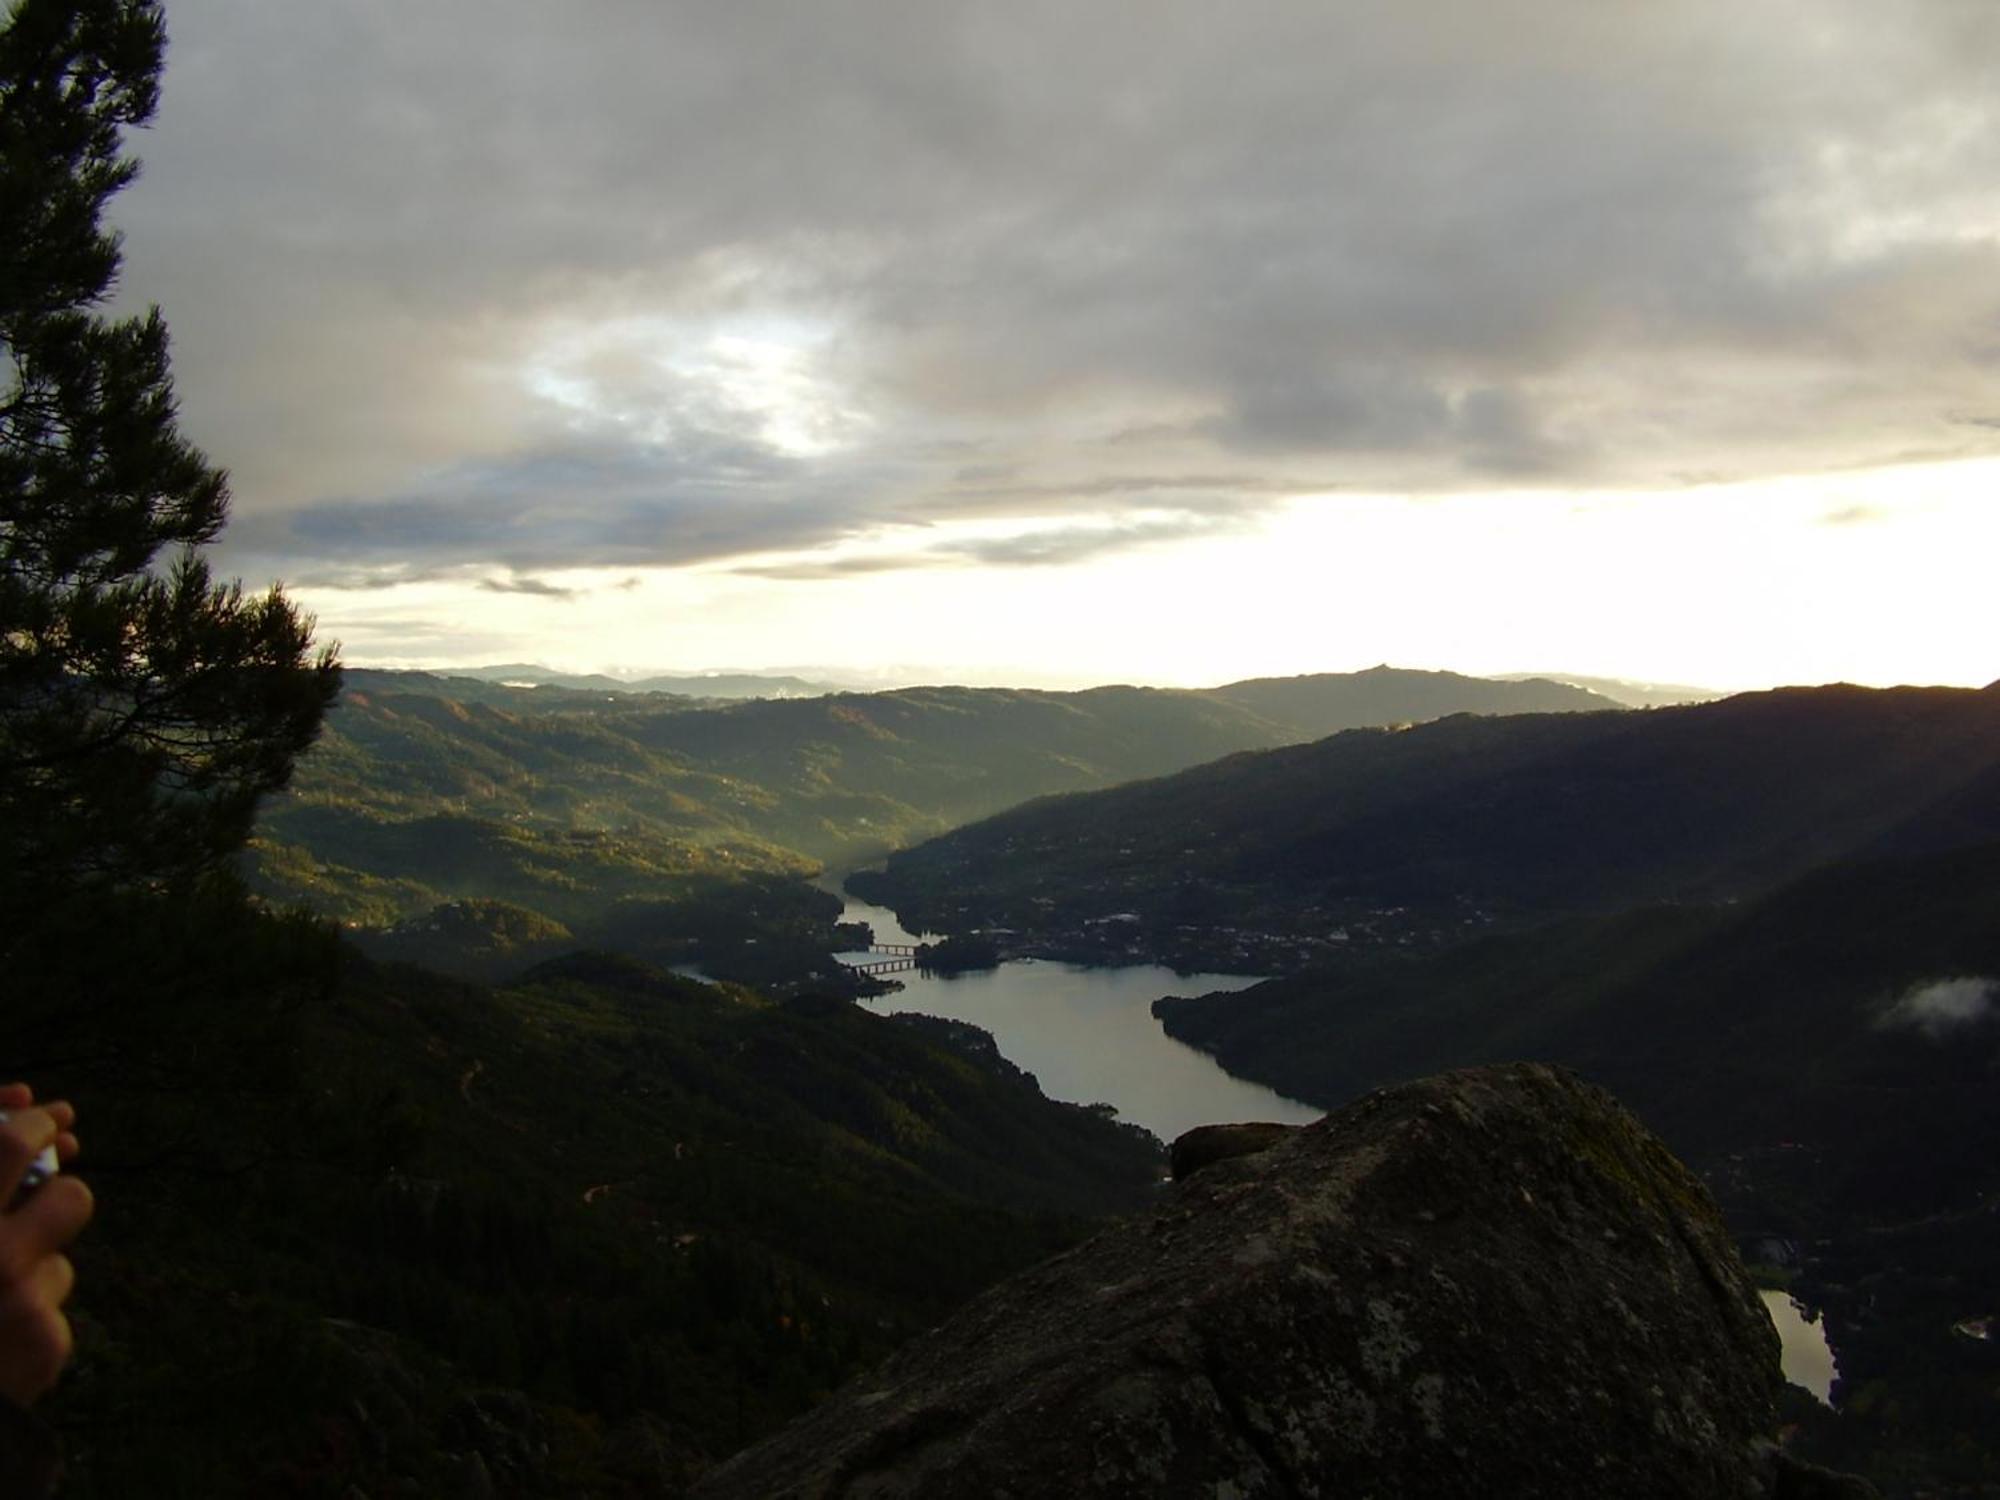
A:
(1206, 1145)
(1489, 1283)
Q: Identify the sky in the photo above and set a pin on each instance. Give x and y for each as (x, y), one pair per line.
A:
(1087, 341)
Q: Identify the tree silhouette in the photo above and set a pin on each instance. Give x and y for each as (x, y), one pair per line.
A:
(144, 708)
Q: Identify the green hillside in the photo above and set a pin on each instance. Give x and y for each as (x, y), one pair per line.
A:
(426, 790)
(1436, 830)
(362, 1227)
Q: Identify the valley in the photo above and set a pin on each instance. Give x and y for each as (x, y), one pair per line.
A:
(691, 805)
(1767, 924)
(1417, 836)
(682, 829)
(1182, 908)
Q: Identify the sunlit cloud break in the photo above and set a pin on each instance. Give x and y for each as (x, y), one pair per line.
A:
(676, 287)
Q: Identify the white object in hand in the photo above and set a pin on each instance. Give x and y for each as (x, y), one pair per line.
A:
(42, 1168)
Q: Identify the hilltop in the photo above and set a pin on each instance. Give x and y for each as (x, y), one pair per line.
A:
(1437, 831)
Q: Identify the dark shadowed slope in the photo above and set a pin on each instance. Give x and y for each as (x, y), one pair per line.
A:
(366, 1230)
(1476, 818)
(1726, 1028)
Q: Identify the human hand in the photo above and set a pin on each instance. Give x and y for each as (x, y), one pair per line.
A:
(35, 1276)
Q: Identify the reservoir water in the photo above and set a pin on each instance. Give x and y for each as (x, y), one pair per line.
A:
(1807, 1360)
(1088, 1035)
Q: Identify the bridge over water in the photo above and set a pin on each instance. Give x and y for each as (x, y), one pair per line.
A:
(883, 966)
(895, 958)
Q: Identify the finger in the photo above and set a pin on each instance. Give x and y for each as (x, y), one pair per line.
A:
(51, 1217)
(54, 1280)
(16, 1096)
(64, 1114)
(24, 1135)
(39, 1340)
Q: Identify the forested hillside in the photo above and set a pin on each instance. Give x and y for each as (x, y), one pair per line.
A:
(1446, 827)
(564, 804)
(362, 1226)
(1723, 1026)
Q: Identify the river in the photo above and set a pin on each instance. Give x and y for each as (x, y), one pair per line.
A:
(1088, 1034)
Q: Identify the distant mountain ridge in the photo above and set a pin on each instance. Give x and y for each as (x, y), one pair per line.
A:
(1624, 690)
(1475, 818)
(1326, 702)
(1316, 702)
(684, 684)
(554, 798)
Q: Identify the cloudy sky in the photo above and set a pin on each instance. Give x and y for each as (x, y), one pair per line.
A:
(1158, 341)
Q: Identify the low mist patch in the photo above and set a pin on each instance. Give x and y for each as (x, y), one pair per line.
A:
(1940, 1007)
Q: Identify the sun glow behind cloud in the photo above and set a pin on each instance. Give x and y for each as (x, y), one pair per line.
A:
(1796, 580)
(679, 334)
(646, 375)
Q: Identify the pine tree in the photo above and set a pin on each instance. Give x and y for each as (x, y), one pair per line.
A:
(144, 708)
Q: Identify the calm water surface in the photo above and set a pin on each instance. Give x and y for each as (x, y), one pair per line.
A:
(1807, 1360)
(1089, 1035)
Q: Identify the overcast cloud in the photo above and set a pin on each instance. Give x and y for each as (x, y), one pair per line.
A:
(460, 286)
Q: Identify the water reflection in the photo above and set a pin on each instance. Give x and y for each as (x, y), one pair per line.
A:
(1089, 1035)
(1807, 1359)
